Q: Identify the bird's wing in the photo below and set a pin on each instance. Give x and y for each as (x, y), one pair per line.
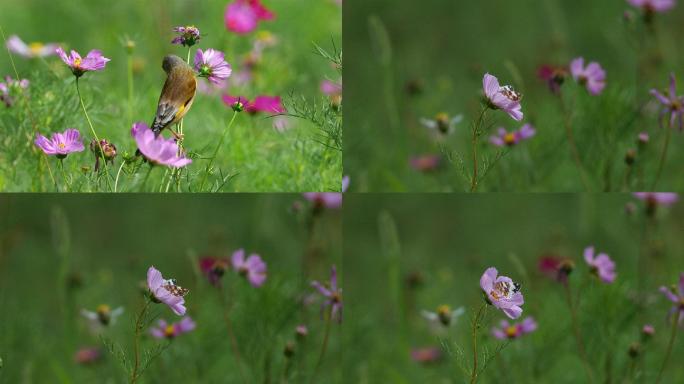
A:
(175, 97)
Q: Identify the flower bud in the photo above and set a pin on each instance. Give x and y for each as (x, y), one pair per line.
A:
(647, 332)
(301, 332)
(238, 106)
(289, 349)
(634, 350)
(630, 156)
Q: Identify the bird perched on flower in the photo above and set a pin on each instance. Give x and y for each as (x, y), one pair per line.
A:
(177, 95)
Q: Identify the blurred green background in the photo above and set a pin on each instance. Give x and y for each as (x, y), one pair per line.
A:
(404, 254)
(59, 254)
(260, 158)
(444, 49)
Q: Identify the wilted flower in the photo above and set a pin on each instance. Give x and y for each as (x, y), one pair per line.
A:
(61, 144)
(35, 49)
(157, 149)
(601, 265)
(505, 138)
(252, 268)
(425, 163)
(502, 293)
(212, 65)
(166, 291)
(442, 123)
(103, 149)
(187, 36)
(213, 268)
(102, 317)
(593, 77)
(243, 16)
(557, 268)
(87, 355)
(94, 61)
(165, 330)
(426, 355)
(672, 104)
(553, 76)
(444, 315)
(676, 296)
(507, 330)
(504, 98)
(332, 295)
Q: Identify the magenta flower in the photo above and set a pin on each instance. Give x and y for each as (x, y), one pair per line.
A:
(187, 36)
(514, 331)
(504, 98)
(425, 163)
(593, 77)
(330, 200)
(252, 268)
(332, 295)
(36, 49)
(87, 355)
(330, 88)
(94, 61)
(554, 76)
(504, 138)
(426, 355)
(61, 144)
(676, 296)
(555, 267)
(643, 138)
(502, 293)
(266, 104)
(213, 268)
(648, 330)
(657, 198)
(212, 65)
(672, 104)
(166, 291)
(157, 149)
(650, 6)
(243, 16)
(601, 265)
(165, 330)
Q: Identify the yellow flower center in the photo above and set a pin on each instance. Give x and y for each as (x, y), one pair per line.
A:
(169, 331)
(511, 331)
(443, 310)
(104, 308)
(509, 138)
(36, 47)
(77, 62)
(62, 146)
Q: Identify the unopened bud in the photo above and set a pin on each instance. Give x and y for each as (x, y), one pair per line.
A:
(630, 156)
(301, 332)
(634, 350)
(289, 350)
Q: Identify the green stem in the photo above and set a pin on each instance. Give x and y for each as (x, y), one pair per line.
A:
(673, 335)
(231, 334)
(475, 327)
(567, 119)
(116, 181)
(130, 88)
(92, 130)
(67, 187)
(663, 156)
(476, 135)
(324, 346)
(211, 160)
(576, 331)
(147, 176)
(136, 341)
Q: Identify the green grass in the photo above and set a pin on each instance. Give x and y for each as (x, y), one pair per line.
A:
(59, 254)
(254, 156)
(450, 240)
(447, 48)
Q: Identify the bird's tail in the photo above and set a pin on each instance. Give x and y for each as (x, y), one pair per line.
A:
(156, 127)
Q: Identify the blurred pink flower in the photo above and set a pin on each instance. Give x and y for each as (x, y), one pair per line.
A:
(555, 267)
(166, 291)
(672, 104)
(94, 61)
(87, 355)
(330, 200)
(332, 294)
(676, 296)
(593, 76)
(514, 331)
(653, 5)
(10, 88)
(648, 330)
(502, 293)
(331, 88)
(32, 50)
(504, 138)
(601, 265)
(426, 355)
(213, 268)
(554, 76)
(164, 330)
(157, 149)
(657, 198)
(252, 268)
(61, 144)
(187, 36)
(643, 137)
(425, 163)
(504, 98)
(243, 16)
(266, 104)
(212, 65)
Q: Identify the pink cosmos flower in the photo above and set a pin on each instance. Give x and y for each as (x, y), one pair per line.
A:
(653, 5)
(676, 296)
(87, 355)
(331, 88)
(504, 138)
(648, 330)
(157, 149)
(332, 294)
(514, 331)
(601, 265)
(266, 104)
(425, 163)
(657, 198)
(593, 76)
(94, 61)
(555, 267)
(502, 292)
(32, 50)
(426, 355)
(243, 16)
(330, 200)
(252, 268)
(643, 137)
(212, 65)
(672, 104)
(166, 291)
(504, 98)
(61, 144)
(213, 268)
(187, 36)
(165, 330)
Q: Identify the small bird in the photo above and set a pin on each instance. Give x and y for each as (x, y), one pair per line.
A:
(177, 95)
